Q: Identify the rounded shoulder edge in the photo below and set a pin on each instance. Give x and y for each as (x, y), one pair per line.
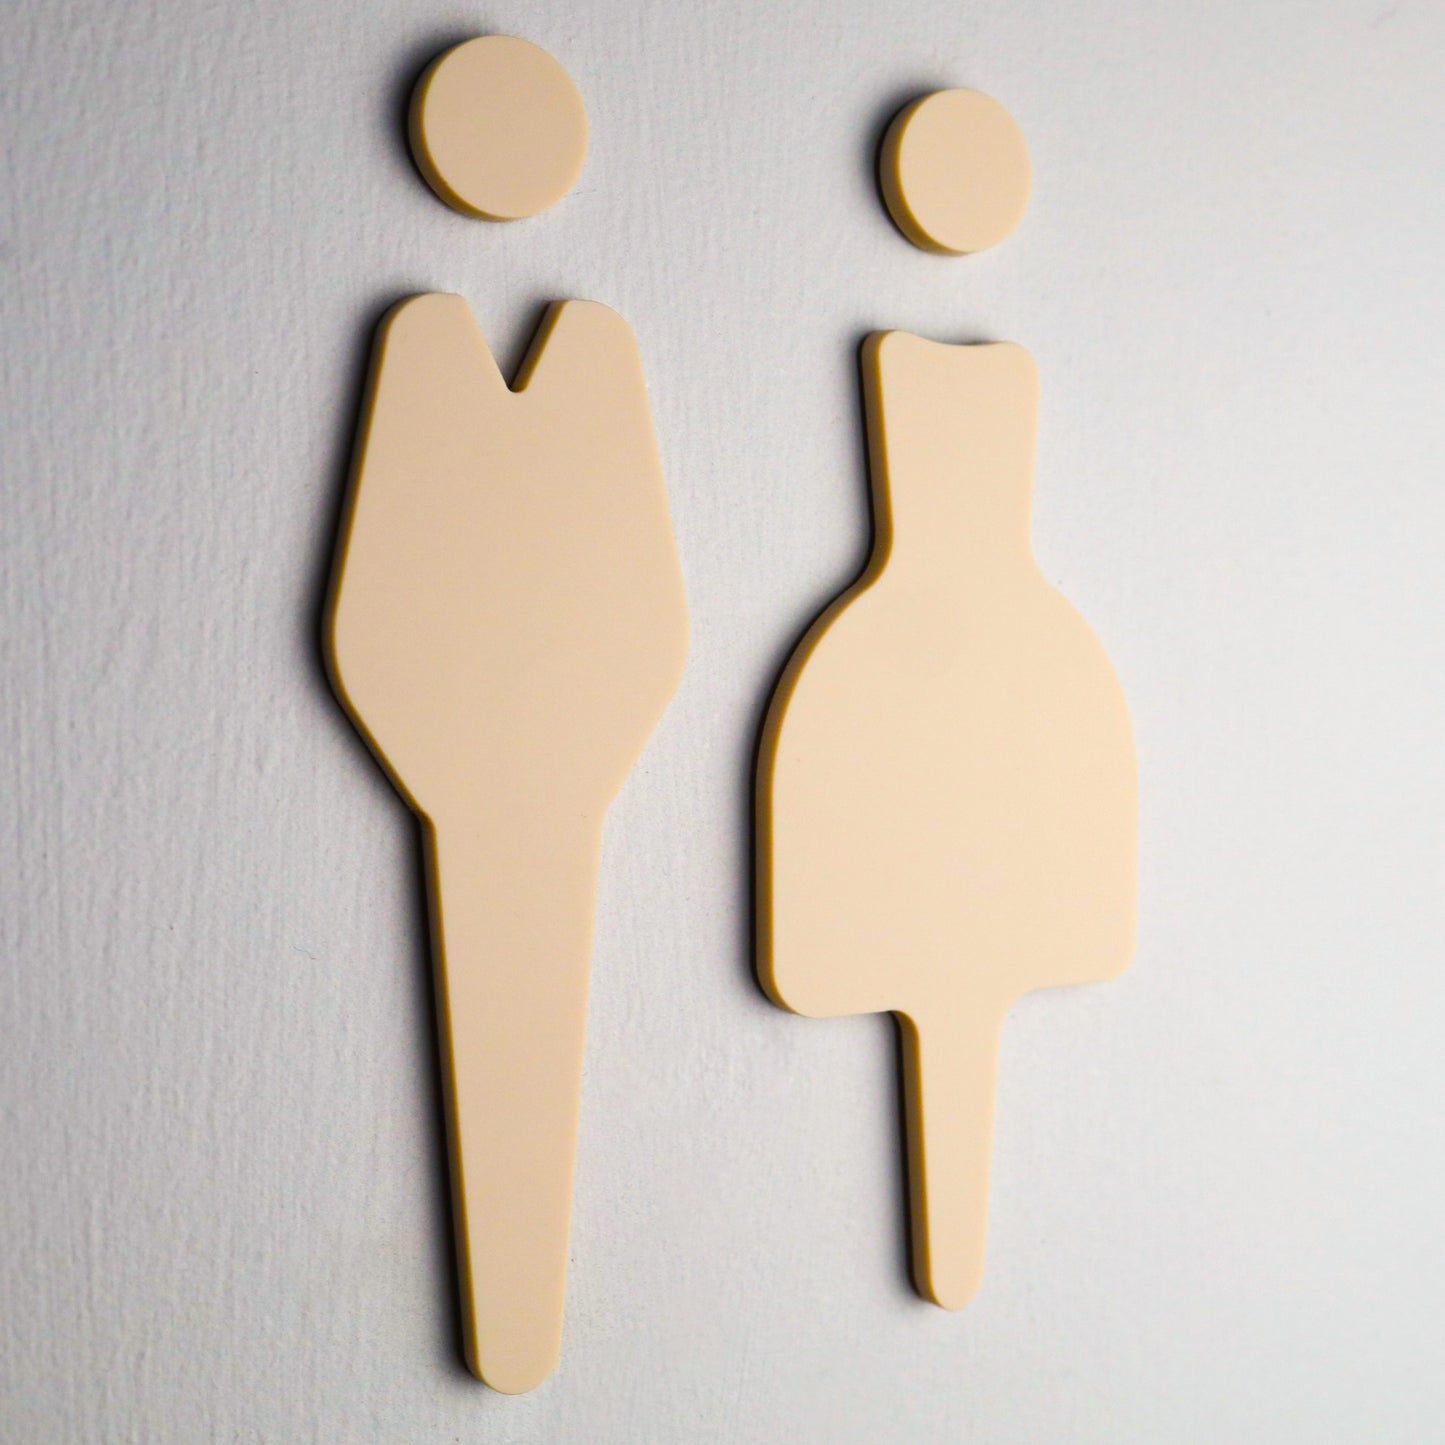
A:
(422, 309)
(575, 333)
(596, 316)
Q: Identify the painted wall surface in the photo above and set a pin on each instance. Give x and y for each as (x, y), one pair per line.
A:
(1216, 1199)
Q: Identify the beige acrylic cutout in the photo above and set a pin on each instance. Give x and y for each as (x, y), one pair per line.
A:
(954, 171)
(498, 128)
(946, 792)
(507, 626)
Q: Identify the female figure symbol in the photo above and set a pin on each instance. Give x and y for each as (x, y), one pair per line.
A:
(946, 783)
(506, 626)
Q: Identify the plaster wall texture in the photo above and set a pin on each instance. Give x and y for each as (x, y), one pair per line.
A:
(1217, 1182)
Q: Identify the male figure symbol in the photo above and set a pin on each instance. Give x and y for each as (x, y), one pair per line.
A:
(507, 625)
(946, 789)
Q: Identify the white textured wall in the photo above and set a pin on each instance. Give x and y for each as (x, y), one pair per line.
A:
(1218, 1182)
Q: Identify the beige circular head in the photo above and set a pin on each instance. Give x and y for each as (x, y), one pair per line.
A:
(955, 172)
(497, 128)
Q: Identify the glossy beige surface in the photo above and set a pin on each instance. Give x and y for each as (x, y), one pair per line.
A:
(954, 171)
(946, 799)
(507, 626)
(498, 128)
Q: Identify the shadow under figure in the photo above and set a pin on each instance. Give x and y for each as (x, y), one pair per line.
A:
(506, 626)
(946, 782)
